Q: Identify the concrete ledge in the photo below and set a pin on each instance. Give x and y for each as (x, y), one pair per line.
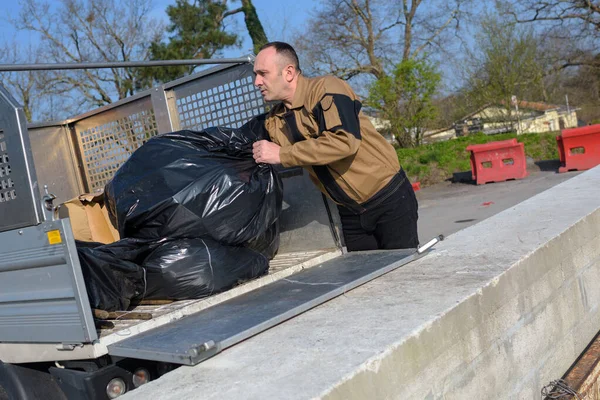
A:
(496, 311)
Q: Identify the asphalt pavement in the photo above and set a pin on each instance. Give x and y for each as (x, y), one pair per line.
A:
(448, 207)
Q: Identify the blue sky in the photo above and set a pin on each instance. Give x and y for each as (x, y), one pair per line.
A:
(280, 22)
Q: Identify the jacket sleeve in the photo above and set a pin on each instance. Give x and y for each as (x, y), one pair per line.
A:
(336, 110)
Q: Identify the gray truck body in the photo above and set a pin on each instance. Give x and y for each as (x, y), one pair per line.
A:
(44, 310)
(45, 314)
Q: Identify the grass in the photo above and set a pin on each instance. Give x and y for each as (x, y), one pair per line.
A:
(436, 162)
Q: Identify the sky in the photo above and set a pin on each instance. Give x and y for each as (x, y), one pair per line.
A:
(282, 21)
(279, 22)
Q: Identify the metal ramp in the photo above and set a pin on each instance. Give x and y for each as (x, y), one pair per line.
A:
(200, 336)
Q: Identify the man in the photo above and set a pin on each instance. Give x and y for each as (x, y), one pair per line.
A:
(318, 125)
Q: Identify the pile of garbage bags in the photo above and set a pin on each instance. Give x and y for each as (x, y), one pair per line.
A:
(196, 215)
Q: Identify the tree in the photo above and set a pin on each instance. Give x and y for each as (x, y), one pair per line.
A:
(405, 98)
(582, 86)
(254, 26)
(506, 61)
(91, 31)
(198, 30)
(575, 23)
(377, 43)
(349, 38)
(571, 35)
(582, 17)
(28, 87)
(22, 86)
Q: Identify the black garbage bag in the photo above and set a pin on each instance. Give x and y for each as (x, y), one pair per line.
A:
(196, 268)
(112, 274)
(267, 243)
(191, 184)
(197, 215)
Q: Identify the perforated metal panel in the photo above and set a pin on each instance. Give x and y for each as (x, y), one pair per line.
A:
(220, 96)
(19, 197)
(225, 97)
(7, 185)
(107, 139)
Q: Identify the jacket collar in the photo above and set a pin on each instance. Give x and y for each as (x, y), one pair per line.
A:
(300, 94)
(298, 99)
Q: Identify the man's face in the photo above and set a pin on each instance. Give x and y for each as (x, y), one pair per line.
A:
(269, 77)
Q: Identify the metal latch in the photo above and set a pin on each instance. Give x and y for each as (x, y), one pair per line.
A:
(50, 210)
(68, 346)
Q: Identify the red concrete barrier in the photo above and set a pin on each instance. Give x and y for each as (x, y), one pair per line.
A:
(579, 148)
(498, 161)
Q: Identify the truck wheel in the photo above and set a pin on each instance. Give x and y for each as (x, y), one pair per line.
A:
(28, 382)
(3, 394)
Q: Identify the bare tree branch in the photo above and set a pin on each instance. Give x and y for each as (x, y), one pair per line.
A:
(90, 30)
(435, 34)
(350, 38)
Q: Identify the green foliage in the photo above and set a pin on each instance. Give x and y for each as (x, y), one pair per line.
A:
(436, 162)
(405, 99)
(509, 62)
(255, 28)
(196, 31)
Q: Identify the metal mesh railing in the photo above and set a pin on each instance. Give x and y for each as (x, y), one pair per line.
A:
(220, 97)
(229, 104)
(223, 96)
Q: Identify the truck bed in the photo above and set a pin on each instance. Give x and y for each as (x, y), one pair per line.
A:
(281, 266)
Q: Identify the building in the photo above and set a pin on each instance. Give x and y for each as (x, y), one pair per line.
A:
(382, 126)
(531, 117)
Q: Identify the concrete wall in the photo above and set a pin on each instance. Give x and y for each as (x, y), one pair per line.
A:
(496, 311)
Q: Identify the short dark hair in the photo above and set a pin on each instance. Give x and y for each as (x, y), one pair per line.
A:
(286, 51)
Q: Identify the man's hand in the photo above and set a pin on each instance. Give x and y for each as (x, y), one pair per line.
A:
(266, 152)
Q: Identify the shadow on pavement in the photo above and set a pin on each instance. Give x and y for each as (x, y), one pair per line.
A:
(462, 177)
(548, 165)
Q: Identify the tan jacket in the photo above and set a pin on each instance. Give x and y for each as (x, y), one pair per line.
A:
(325, 132)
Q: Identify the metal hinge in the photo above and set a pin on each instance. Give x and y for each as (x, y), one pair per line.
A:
(203, 351)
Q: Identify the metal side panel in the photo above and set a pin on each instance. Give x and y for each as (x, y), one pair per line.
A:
(304, 222)
(202, 335)
(55, 162)
(19, 195)
(42, 292)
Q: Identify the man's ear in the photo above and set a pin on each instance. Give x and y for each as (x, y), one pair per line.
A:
(289, 73)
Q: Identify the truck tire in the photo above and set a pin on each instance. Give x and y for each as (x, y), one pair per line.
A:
(21, 382)
(3, 394)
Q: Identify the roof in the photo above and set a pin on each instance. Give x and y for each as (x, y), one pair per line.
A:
(535, 105)
(524, 105)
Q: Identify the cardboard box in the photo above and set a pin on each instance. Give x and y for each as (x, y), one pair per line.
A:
(89, 219)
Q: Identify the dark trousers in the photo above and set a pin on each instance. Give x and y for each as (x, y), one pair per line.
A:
(389, 222)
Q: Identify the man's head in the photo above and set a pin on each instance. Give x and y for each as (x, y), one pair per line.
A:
(277, 68)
